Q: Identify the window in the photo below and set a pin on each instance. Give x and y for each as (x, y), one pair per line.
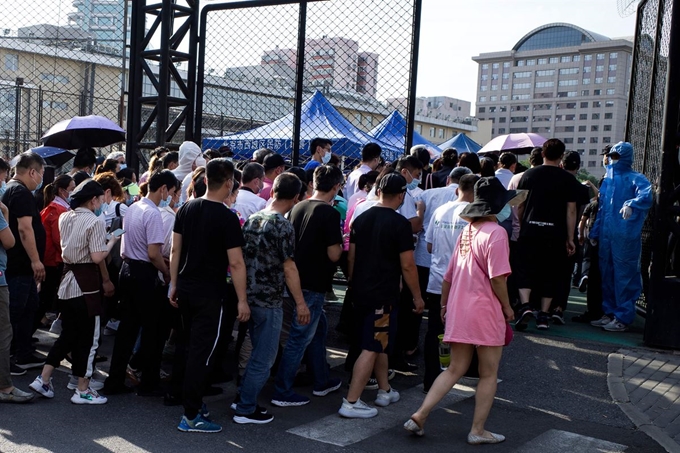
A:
(542, 61)
(607, 127)
(504, 97)
(503, 108)
(567, 71)
(613, 55)
(565, 59)
(493, 98)
(594, 128)
(492, 109)
(597, 104)
(584, 105)
(554, 60)
(506, 75)
(494, 87)
(569, 117)
(521, 75)
(545, 73)
(432, 131)
(441, 133)
(598, 80)
(531, 62)
(585, 93)
(597, 92)
(501, 130)
(581, 128)
(506, 64)
(502, 119)
(520, 86)
(610, 91)
(612, 68)
(581, 140)
(54, 78)
(608, 116)
(519, 119)
(546, 84)
(600, 56)
(587, 69)
(592, 152)
(483, 88)
(419, 128)
(518, 130)
(567, 94)
(593, 140)
(368, 120)
(611, 79)
(481, 110)
(583, 116)
(55, 105)
(520, 63)
(504, 86)
(586, 81)
(599, 68)
(587, 57)
(606, 139)
(576, 58)
(568, 140)
(485, 77)
(520, 97)
(494, 66)
(591, 164)
(485, 66)
(11, 62)
(568, 83)
(596, 116)
(482, 99)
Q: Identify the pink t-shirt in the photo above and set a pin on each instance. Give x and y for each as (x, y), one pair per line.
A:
(473, 312)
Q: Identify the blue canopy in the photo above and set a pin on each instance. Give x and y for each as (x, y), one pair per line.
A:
(462, 143)
(392, 130)
(319, 119)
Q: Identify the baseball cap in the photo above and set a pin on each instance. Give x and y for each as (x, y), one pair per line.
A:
(606, 150)
(272, 161)
(392, 183)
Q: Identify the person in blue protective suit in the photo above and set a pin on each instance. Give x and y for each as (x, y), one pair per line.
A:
(625, 198)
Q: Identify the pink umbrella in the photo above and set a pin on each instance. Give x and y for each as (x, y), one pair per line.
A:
(515, 142)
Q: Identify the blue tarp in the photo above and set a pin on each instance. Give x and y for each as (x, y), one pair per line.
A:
(392, 130)
(462, 143)
(319, 119)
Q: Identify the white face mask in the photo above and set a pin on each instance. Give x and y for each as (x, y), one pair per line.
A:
(613, 161)
(326, 157)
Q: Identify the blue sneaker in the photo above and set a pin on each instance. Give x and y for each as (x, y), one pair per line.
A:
(204, 412)
(293, 400)
(198, 425)
(332, 385)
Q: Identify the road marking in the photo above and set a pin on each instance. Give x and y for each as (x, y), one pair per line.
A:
(556, 441)
(336, 430)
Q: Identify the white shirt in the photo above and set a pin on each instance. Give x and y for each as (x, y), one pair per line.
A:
(504, 176)
(443, 231)
(433, 199)
(186, 182)
(110, 212)
(408, 209)
(352, 185)
(247, 203)
(168, 216)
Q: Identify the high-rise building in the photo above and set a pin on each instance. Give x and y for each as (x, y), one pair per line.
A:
(559, 81)
(104, 20)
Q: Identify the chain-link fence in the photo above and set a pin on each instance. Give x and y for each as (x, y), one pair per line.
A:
(341, 66)
(59, 59)
(645, 128)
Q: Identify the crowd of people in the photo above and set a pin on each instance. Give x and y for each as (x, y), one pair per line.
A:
(197, 248)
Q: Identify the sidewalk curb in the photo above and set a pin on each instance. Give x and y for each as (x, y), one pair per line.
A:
(619, 394)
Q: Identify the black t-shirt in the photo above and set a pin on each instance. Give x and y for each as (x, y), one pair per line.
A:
(380, 235)
(317, 227)
(545, 210)
(208, 230)
(21, 203)
(439, 177)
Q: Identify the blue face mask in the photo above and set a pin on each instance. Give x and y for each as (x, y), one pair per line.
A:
(504, 214)
(165, 203)
(37, 189)
(326, 157)
(99, 210)
(123, 166)
(3, 189)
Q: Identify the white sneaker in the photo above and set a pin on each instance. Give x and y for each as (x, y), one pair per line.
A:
(46, 390)
(357, 410)
(56, 327)
(615, 326)
(386, 398)
(89, 396)
(94, 384)
(603, 321)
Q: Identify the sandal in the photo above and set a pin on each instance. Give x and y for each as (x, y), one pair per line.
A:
(414, 428)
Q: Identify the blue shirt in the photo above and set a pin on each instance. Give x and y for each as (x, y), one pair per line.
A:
(311, 165)
(3, 253)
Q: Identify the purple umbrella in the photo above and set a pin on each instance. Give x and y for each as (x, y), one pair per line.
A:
(80, 131)
(515, 142)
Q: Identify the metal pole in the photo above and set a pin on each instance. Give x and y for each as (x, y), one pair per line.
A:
(415, 45)
(299, 82)
(631, 87)
(134, 107)
(167, 15)
(189, 134)
(123, 63)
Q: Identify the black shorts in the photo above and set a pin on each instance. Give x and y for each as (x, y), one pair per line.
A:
(540, 265)
(378, 327)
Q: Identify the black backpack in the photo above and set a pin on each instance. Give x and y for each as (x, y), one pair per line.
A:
(116, 261)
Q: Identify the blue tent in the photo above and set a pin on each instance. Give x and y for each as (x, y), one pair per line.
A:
(462, 143)
(319, 119)
(392, 130)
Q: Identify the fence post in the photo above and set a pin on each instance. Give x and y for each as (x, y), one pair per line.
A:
(415, 45)
(299, 82)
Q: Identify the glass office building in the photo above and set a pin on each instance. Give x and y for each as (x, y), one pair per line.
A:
(559, 81)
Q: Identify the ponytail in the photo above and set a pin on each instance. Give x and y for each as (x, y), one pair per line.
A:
(51, 191)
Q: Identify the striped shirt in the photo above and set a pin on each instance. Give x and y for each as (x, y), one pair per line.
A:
(143, 226)
(82, 233)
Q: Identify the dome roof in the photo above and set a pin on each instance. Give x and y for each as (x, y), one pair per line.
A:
(556, 35)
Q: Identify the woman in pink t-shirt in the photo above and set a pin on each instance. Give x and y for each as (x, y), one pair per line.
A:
(475, 307)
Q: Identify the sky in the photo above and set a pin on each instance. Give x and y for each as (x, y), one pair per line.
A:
(453, 31)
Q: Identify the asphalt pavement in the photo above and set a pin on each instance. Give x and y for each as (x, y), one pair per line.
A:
(553, 397)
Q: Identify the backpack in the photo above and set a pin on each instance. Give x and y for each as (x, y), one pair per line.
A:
(116, 261)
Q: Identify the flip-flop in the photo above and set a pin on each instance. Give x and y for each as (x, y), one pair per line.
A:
(413, 427)
(478, 440)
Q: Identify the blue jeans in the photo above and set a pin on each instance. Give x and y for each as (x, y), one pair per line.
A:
(265, 328)
(23, 304)
(311, 337)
